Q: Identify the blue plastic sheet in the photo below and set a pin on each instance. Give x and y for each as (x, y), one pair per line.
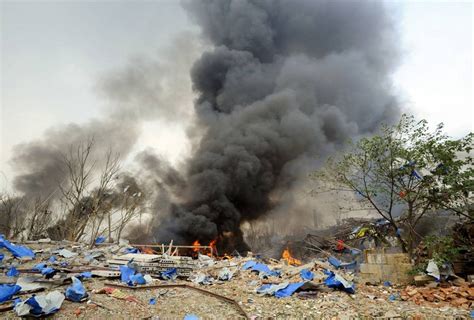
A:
(99, 240)
(39, 267)
(306, 275)
(52, 259)
(13, 272)
(76, 292)
(132, 250)
(248, 265)
(152, 301)
(260, 267)
(130, 277)
(86, 274)
(17, 251)
(48, 272)
(126, 273)
(289, 290)
(191, 316)
(337, 282)
(7, 291)
(169, 274)
(338, 264)
(136, 279)
(387, 284)
(1, 256)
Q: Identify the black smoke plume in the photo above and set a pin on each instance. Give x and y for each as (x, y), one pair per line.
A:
(286, 83)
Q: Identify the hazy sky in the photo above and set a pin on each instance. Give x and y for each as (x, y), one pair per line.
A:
(52, 54)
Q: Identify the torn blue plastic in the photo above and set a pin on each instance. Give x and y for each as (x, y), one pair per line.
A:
(64, 264)
(337, 282)
(191, 316)
(415, 174)
(264, 288)
(39, 267)
(338, 264)
(85, 274)
(17, 251)
(136, 279)
(48, 271)
(1, 256)
(289, 290)
(126, 273)
(99, 240)
(76, 292)
(152, 301)
(355, 252)
(260, 267)
(306, 275)
(132, 250)
(13, 272)
(393, 297)
(387, 284)
(248, 265)
(52, 259)
(7, 291)
(169, 274)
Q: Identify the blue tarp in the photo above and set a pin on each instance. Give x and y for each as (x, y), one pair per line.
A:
(85, 274)
(76, 292)
(260, 267)
(1, 256)
(48, 272)
(7, 291)
(152, 301)
(39, 267)
(13, 272)
(248, 265)
(169, 274)
(191, 316)
(126, 273)
(132, 250)
(17, 251)
(99, 240)
(289, 290)
(338, 264)
(128, 276)
(337, 282)
(52, 259)
(136, 279)
(306, 275)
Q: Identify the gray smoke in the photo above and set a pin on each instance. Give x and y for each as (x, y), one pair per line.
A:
(147, 88)
(286, 83)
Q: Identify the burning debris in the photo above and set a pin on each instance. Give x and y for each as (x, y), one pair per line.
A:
(94, 282)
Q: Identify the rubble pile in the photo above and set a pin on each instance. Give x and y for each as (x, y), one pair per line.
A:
(456, 296)
(72, 280)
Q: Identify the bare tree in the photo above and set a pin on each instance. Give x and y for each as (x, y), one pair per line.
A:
(12, 215)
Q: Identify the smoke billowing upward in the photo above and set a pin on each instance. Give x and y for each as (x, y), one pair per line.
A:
(286, 83)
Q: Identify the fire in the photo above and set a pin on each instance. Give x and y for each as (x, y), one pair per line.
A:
(287, 256)
(147, 250)
(212, 244)
(196, 245)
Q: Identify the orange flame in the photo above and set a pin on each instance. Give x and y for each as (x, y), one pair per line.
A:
(212, 244)
(287, 256)
(196, 245)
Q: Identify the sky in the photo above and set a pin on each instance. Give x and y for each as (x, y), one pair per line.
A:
(53, 53)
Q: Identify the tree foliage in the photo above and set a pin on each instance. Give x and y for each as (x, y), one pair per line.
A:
(405, 172)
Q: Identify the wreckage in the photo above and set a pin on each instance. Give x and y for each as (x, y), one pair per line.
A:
(44, 277)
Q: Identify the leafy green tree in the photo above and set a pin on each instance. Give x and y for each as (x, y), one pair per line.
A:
(403, 173)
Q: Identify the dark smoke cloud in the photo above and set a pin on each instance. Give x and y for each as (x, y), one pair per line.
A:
(286, 83)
